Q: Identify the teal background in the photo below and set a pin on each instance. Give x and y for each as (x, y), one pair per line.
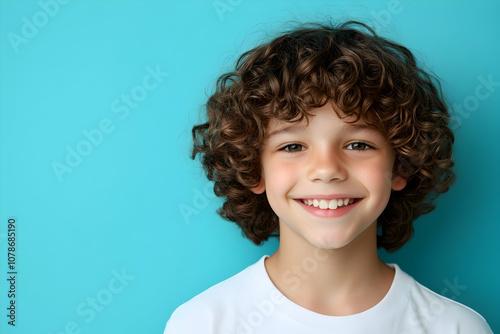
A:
(121, 209)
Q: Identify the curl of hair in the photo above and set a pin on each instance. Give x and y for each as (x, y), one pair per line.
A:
(364, 75)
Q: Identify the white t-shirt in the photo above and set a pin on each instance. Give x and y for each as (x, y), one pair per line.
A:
(249, 303)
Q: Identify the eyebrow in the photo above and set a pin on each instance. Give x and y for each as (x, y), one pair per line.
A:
(292, 128)
(362, 127)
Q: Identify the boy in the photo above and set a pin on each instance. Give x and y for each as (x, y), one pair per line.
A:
(325, 136)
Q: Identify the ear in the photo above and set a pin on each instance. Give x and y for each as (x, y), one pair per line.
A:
(398, 182)
(260, 188)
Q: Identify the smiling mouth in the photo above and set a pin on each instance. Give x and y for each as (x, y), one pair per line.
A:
(332, 204)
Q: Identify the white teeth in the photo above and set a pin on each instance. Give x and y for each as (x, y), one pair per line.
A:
(332, 205)
(325, 204)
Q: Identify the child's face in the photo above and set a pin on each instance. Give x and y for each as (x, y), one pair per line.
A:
(329, 180)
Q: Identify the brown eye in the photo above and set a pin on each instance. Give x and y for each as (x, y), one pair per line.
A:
(293, 148)
(358, 146)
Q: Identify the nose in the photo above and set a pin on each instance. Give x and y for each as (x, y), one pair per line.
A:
(327, 165)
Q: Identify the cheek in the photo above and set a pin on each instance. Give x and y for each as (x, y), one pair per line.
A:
(377, 177)
(280, 177)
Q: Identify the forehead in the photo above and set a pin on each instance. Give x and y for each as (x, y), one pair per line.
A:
(334, 122)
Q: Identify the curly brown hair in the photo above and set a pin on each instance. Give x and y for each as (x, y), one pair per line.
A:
(366, 76)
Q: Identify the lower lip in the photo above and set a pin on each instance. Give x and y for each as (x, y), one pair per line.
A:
(329, 213)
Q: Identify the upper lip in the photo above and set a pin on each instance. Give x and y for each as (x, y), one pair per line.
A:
(333, 196)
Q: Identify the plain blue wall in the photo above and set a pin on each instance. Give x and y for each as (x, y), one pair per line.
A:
(137, 208)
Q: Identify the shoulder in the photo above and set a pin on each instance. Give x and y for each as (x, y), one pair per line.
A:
(434, 313)
(223, 298)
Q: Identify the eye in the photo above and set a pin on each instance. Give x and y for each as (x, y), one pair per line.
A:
(358, 146)
(292, 148)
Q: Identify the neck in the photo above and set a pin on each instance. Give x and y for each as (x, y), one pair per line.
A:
(342, 281)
